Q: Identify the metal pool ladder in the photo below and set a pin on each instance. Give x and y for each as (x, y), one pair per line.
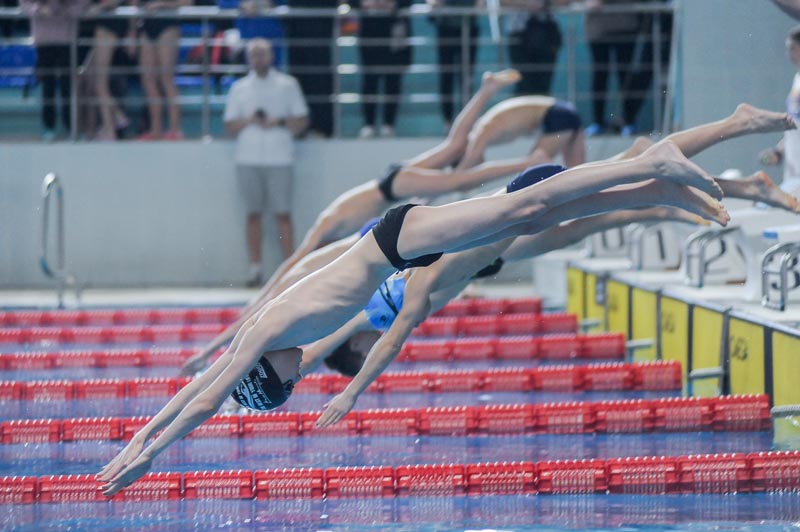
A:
(51, 188)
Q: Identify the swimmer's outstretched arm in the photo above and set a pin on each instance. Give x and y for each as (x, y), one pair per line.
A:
(181, 415)
(133, 450)
(416, 305)
(427, 290)
(321, 231)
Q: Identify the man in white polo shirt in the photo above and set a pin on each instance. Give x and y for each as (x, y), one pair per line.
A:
(265, 110)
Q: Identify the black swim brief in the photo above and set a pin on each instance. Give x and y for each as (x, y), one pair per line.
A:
(385, 183)
(491, 270)
(386, 233)
(562, 116)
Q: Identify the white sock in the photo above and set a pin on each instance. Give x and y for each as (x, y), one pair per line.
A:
(255, 269)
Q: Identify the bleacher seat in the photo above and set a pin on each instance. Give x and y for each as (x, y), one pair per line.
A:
(17, 64)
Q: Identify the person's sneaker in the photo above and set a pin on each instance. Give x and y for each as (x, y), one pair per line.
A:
(254, 281)
(594, 129)
(148, 136)
(629, 130)
(48, 135)
(387, 131)
(254, 276)
(104, 134)
(367, 132)
(173, 135)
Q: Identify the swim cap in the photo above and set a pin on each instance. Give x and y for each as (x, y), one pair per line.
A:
(262, 389)
(534, 175)
(368, 226)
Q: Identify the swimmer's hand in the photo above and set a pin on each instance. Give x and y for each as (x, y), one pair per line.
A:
(336, 409)
(125, 457)
(128, 475)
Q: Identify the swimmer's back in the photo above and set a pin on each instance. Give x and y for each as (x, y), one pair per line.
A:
(519, 114)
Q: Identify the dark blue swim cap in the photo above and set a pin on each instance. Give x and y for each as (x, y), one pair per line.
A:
(368, 226)
(533, 175)
(262, 389)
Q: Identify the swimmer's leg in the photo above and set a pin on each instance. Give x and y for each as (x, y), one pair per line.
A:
(452, 148)
(481, 220)
(758, 187)
(558, 237)
(574, 153)
(745, 120)
(550, 145)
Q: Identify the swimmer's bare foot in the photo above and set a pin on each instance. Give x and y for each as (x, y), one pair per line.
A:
(674, 214)
(691, 200)
(494, 81)
(669, 163)
(763, 189)
(755, 120)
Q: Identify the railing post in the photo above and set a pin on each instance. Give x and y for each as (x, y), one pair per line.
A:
(337, 81)
(73, 85)
(205, 112)
(466, 39)
(656, 66)
(572, 78)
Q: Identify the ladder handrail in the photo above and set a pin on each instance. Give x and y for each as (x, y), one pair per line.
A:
(789, 252)
(51, 185)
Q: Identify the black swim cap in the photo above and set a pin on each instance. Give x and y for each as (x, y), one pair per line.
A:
(262, 389)
(533, 175)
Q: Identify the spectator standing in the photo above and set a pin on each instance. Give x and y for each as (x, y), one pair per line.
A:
(265, 109)
(311, 61)
(385, 54)
(158, 53)
(54, 26)
(787, 151)
(109, 31)
(612, 34)
(450, 54)
(534, 42)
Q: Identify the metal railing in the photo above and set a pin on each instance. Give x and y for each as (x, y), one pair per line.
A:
(344, 66)
(52, 191)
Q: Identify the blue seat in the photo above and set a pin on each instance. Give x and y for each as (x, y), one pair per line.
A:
(17, 64)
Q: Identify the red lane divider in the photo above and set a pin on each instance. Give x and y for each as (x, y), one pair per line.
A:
(114, 334)
(551, 347)
(108, 317)
(509, 324)
(214, 315)
(658, 375)
(625, 416)
(651, 475)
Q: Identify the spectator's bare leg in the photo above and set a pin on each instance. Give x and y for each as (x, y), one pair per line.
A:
(285, 233)
(254, 237)
(167, 55)
(453, 147)
(105, 44)
(148, 62)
